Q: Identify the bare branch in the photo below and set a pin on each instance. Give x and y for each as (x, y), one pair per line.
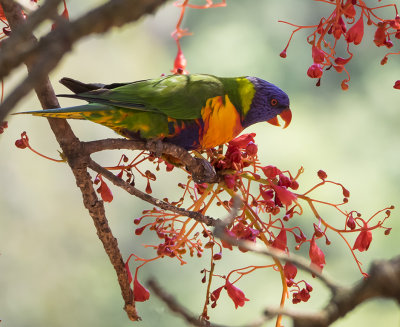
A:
(52, 47)
(383, 281)
(176, 307)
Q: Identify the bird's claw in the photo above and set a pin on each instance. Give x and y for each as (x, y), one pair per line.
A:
(156, 146)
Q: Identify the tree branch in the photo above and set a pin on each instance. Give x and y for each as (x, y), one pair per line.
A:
(200, 169)
(383, 281)
(51, 48)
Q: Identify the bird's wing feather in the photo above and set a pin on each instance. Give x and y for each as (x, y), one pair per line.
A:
(177, 96)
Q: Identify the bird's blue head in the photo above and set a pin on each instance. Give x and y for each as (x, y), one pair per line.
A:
(268, 102)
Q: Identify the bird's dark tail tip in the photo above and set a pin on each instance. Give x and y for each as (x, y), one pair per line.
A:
(79, 87)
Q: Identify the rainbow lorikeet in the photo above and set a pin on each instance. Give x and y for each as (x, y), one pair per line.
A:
(192, 111)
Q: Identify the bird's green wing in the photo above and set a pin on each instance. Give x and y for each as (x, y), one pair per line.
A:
(177, 96)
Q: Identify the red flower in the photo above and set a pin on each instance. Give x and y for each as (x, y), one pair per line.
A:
(363, 239)
(321, 174)
(230, 181)
(317, 54)
(233, 154)
(226, 244)
(251, 149)
(270, 171)
(214, 296)
(315, 71)
(243, 140)
(235, 294)
(280, 241)
(285, 196)
(23, 142)
(267, 195)
(140, 293)
(397, 85)
(104, 190)
(349, 10)
(316, 255)
(180, 61)
(290, 270)
(380, 36)
(356, 32)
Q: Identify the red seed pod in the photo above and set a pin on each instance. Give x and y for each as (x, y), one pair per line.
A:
(351, 223)
(148, 188)
(270, 171)
(346, 192)
(387, 231)
(283, 54)
(20, 144)
(139, 231)
(294, 185)
(388, 44)
(344, 85)
(317, 231)
(251, 149)
(209, 245)
(150, 175)
(290, 270)
(315, 71)
(217, 256)
(317, 54)
(321, 174)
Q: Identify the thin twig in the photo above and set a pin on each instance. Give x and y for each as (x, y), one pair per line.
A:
(207, 220)
(299, 261)
(179, 309)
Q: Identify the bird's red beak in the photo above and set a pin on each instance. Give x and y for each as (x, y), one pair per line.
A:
(286, 116)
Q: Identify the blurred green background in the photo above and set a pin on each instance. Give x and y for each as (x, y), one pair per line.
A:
(54, 271)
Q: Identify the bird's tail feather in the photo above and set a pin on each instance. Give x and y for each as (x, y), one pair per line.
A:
(76, 112)
(79, 87)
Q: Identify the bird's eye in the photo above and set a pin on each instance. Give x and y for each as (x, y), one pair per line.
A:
(274, 102)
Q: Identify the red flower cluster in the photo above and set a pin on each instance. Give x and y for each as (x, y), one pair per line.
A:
(241, 231)
(180, 60)
(236, 295)
(342, 22)
(262, 218)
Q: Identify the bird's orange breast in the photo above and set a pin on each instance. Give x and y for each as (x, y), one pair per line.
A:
(221, 122)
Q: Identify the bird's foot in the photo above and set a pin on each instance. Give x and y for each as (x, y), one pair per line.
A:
(155, 146)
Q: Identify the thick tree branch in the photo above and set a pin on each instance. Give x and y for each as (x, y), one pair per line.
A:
(201, 170)
(58, 42)
(383, 281)
(52, 47)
